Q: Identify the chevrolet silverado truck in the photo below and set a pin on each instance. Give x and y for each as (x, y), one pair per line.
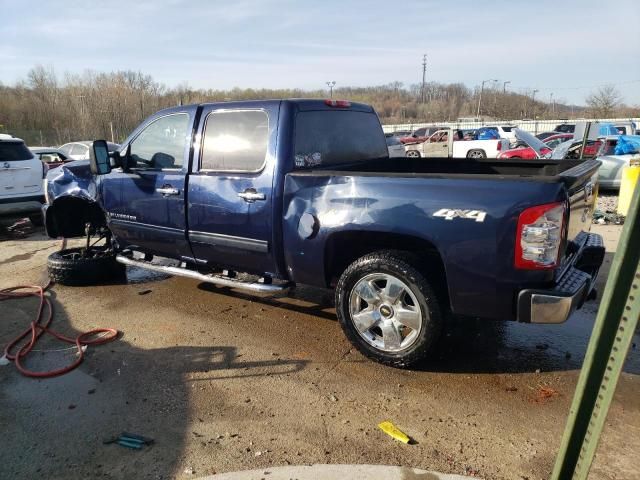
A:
(263, 195)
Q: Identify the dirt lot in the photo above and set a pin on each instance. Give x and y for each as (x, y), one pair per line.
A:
(224, 381)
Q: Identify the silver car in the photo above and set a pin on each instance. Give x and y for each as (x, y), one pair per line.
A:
(610, 172)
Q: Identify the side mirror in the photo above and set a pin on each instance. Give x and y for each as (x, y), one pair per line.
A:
(99, 158)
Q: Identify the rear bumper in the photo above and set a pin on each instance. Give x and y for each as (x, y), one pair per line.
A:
(556, 304)
(21, 205)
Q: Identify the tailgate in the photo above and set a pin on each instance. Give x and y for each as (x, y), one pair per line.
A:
(582, 186)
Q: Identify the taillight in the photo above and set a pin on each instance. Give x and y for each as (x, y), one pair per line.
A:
(500, 145)
(338, 103)
(539, 236)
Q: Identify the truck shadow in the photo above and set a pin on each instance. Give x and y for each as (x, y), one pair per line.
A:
(471, 345)
(303, 299)
(57, 426)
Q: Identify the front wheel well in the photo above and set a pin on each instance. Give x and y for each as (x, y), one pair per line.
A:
(68, 216)
(344, 248)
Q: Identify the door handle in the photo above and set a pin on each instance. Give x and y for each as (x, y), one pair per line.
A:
(168, 190)
(250, 195)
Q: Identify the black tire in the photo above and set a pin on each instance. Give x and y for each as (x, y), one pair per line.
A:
(36, 220)
(72, 267)
(476, 153)
(403, 266)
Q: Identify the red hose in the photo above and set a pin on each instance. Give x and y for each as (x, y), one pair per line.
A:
(40, 325)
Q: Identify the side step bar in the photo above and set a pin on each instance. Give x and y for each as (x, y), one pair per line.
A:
(215, 279)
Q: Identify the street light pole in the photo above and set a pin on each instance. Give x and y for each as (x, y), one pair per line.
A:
(480, 98)
(504, 93)
(331, 85)
(533, 102)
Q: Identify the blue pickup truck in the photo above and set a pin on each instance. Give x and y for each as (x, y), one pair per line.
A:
(263, 195)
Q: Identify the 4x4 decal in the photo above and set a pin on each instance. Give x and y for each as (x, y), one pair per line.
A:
(450, 214)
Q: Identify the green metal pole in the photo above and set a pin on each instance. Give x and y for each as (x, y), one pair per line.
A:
(612, 335)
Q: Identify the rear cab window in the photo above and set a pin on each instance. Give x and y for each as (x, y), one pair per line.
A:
(14, 151)
(326, 138)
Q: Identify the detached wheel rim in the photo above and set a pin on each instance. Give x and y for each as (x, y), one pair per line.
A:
(413, 153)
(385, 312)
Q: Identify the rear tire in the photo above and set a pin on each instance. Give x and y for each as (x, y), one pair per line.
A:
(476, 154)
(402, 319)
(413, 154)
(72, 267)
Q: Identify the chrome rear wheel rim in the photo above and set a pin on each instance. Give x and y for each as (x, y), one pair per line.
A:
(385, 312)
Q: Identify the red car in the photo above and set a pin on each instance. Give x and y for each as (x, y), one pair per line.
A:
(551, 142)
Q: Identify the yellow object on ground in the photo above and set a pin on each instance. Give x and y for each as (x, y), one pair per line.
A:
(628, 183)
(390, 429)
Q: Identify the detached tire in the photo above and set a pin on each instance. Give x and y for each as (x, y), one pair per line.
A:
(388, 309)
(72, 267)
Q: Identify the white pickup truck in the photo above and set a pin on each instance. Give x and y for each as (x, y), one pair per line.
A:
(449, 142)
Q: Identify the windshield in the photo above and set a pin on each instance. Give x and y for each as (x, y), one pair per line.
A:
(530, 140)
(608, 147)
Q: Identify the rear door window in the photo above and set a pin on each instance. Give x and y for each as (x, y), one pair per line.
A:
(326, 137)
(14, 151)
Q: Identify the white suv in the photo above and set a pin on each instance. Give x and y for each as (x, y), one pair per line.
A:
(21, 185)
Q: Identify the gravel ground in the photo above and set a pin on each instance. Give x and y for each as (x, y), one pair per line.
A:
(225, 381)
(607, 202)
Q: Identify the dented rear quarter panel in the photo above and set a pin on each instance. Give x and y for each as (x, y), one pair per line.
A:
(477, 255)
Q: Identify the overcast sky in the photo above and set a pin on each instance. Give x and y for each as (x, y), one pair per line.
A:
(563, 47)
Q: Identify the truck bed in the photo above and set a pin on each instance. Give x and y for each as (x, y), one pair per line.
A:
(522, 169)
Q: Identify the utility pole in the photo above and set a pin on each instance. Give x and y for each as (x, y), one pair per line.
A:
(331, 85)
(480, 97)
(424, 76)
(504, 99)
(533, 102)
(553, 104)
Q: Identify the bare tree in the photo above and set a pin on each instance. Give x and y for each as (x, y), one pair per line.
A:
(604, 102)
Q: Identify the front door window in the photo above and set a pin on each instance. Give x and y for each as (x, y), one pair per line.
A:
(161, 145)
